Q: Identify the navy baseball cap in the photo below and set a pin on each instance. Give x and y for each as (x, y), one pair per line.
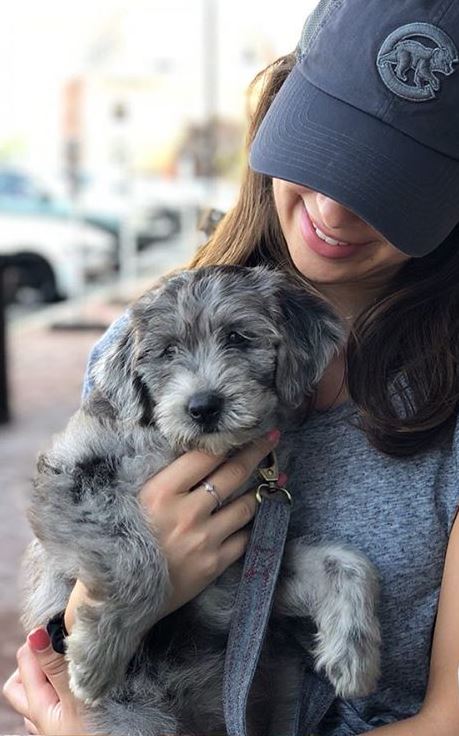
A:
(369, 116)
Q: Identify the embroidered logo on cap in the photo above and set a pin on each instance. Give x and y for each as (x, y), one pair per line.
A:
(407, 66)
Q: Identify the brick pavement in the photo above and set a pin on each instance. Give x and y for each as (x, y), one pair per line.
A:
(46, 369)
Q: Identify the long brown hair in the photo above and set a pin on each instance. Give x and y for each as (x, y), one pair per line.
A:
(411, 332)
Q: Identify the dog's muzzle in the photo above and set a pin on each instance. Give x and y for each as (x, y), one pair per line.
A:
(205, 409)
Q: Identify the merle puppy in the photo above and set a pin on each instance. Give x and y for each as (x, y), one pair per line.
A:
(211, 358)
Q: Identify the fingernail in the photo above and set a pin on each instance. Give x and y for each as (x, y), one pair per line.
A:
(283, 479)
(39, 640)
(273, 435)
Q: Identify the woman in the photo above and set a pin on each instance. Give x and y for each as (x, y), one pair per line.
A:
(353, 187)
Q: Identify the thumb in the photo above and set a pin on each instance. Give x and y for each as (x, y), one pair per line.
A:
(52, 664)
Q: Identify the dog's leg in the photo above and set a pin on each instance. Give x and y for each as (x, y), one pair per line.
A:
(104, 538)
(338, 588)
(134, 580)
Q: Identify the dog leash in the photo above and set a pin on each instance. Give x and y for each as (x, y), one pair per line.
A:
(252, 609)
(316, 697)
(254, 596)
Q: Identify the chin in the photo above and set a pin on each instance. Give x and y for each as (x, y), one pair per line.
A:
(318, 270)
(376, 267)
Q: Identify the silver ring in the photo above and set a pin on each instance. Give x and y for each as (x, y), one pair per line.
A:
(210, 488)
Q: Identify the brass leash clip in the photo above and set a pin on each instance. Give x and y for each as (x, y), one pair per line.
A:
(270, 480)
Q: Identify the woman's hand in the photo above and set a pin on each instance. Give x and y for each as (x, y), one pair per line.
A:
(197, 543)
(78, 595)
(39, 690)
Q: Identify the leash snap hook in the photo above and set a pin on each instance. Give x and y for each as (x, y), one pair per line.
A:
(269, 487)
(270, 473)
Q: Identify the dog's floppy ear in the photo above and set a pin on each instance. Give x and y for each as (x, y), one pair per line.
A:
(115, 375)
(311, 333)
(116, 380)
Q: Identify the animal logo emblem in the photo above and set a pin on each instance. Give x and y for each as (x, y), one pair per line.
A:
(408, 66)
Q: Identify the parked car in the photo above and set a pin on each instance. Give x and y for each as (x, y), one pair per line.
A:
(23, 194)
(50, 258)
(26, 194)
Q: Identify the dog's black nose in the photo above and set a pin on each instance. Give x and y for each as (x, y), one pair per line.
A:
(205, 407)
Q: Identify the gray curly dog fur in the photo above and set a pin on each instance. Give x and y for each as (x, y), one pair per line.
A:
(257, 343)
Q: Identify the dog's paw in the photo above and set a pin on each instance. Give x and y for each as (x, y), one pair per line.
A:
(82, 686)
(351, 659)
(92, 670)
(348, 635)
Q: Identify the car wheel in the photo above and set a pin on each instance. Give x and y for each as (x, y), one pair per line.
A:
(29, 280)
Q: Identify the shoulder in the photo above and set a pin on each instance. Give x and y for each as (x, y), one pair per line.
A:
(108, 338)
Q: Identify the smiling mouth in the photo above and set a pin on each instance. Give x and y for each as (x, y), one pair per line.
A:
(328, 238)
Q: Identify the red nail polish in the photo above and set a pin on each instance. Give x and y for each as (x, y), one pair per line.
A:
(273, 435)
(39, 640)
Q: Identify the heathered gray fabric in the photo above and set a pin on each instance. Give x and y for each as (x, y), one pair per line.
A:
(399, 512)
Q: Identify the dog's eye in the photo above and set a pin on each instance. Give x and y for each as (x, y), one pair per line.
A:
(236, 340)
(170, 352)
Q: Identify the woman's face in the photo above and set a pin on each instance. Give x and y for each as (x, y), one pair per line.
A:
(369, 257)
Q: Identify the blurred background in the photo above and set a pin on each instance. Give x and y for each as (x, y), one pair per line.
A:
(122, 127)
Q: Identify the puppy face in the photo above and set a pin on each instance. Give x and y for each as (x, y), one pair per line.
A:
(215, 352)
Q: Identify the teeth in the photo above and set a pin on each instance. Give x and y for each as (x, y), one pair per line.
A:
(328, 240)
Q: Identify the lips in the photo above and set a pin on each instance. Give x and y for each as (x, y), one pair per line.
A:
(329, 235)
(319, 246)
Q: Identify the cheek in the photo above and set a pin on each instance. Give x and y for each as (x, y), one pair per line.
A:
(283, 199)
(287, 202)
(286, 192)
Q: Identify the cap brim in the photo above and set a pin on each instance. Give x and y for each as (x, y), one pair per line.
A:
(406, 191)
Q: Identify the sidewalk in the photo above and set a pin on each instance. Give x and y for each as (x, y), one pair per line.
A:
(45, 368)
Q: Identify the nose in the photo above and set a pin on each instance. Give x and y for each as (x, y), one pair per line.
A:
(333, 214)
(205, 407)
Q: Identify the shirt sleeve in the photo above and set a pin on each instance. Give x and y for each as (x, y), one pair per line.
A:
(109, 336)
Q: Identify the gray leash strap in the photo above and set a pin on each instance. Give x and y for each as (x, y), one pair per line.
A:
(253, 605)
(317, 695)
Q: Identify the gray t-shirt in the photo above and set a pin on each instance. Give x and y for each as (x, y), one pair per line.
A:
(399, 512)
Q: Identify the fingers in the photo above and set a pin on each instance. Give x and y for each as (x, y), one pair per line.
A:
(38, 691)
(237, 514)
(189, 469)
(15, 694)
(43, 672)
(182, 474)
(232, 549)
(234, 516)
(78, 596)
(51, 663)
(234, 473)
